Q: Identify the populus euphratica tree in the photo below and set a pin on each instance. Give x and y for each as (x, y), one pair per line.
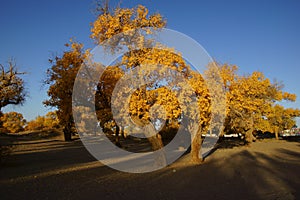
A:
(60, 78)
(252, 104)
(12, 89)
(142, 53)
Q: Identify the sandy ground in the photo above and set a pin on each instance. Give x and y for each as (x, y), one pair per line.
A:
(53, 169)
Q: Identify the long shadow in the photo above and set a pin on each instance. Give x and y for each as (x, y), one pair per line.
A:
(228, 174)
(47, 156)
(34, 135)
(242, 175)
(35, 142)
(229, 143)
(284, 171)
(292, 139)
(225, 143)
(249, 175)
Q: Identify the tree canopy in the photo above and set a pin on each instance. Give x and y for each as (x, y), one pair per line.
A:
(49, 121)
(60, 78)
(252, 103)
(13, 122)
(12, 89)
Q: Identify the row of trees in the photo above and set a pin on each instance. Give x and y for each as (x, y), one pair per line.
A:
(13, 122)
(251, 100)
(49, 121)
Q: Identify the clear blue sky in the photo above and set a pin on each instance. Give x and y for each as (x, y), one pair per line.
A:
(255, 35)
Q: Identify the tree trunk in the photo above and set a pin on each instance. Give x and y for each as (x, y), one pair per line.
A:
(196, 156)
(67, 133)
(117, 139)
(157, 144)
(276, 134)
(249, 138)
(67, 136)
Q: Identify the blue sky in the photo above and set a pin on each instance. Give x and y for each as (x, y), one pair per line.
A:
(255, 35)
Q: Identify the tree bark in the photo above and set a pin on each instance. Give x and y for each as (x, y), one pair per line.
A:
(249, 138)
(196, 156)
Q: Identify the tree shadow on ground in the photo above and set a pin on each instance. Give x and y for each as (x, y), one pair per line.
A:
(50, 154)
(234, 173)
(33, 135)
(246, 174)
(292, 139)
(229, 143)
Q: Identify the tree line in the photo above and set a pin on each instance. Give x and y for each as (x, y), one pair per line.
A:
(14, 122)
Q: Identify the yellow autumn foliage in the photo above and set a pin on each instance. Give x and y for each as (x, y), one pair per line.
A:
(13, 122)
(121, 20)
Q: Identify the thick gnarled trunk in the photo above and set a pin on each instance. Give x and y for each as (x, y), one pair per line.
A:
(249, 138)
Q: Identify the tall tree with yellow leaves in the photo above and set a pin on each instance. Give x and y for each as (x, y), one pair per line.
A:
(49, 121)
(60, 78)
(142, 53)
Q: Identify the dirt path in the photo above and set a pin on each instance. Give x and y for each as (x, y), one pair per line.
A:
(53, 169)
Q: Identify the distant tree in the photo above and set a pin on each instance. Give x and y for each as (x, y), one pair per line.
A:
(13, 122)
(279, 119)
(251, 103)
(49, 121)
(248, 97)
(36, 124)
(12, 91)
